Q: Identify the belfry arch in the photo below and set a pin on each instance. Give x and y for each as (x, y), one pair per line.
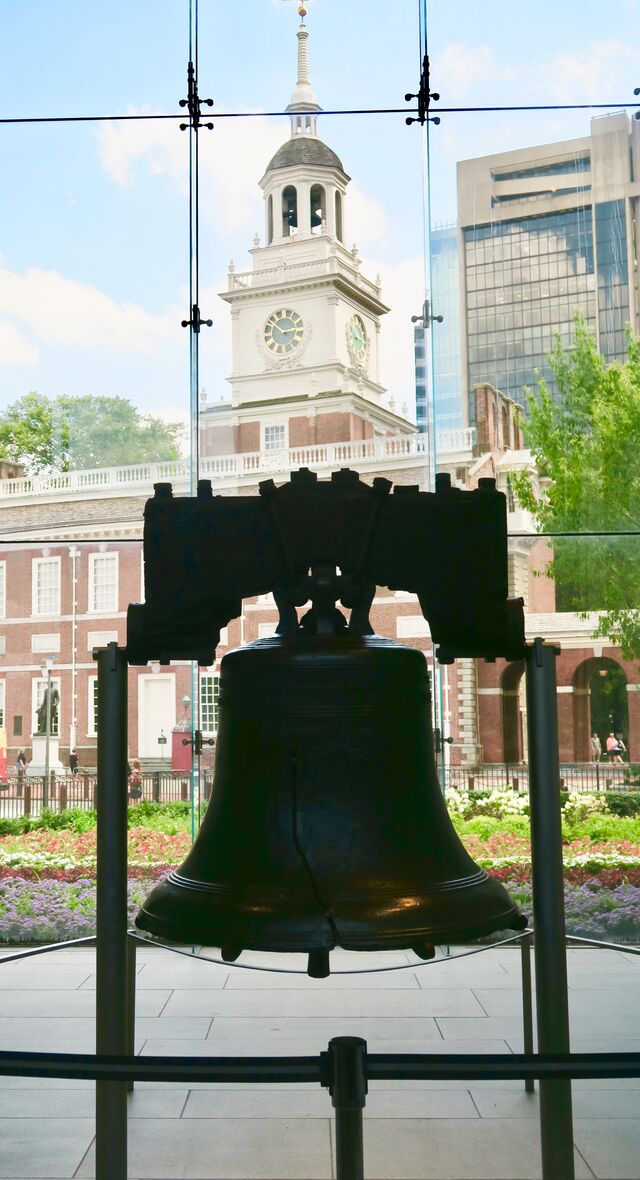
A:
(513, 713)
(600, 704)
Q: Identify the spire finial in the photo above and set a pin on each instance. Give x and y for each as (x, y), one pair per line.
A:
(303, 100)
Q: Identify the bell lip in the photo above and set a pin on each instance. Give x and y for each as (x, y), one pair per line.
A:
(452, 936)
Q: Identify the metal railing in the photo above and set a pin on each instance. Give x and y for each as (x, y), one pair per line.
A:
(579, 777)
(22, 795)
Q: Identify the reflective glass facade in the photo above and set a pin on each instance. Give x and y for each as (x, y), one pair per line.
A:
(525, 280)
(447, 357)
(613, 278)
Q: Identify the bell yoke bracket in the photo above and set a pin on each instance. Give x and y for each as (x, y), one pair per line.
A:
(325, 541)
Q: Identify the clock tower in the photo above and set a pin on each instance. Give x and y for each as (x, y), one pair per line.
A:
(305, 319)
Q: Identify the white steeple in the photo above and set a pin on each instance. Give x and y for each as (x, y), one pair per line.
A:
(303, 103)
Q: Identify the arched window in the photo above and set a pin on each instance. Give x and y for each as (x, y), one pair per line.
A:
(270, 220)
(318, 208)
(289, 211)
(339, 216)
(506, 433)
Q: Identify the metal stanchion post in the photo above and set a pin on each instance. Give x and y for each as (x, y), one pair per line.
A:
(347, 1082)
(131, 1000)
(527, 1003)
(111, 930)
(552, 1004)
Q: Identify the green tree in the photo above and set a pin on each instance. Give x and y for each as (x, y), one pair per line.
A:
(585, 441)
(71, 433)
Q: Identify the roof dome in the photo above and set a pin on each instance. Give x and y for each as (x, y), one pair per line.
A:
(305, 149)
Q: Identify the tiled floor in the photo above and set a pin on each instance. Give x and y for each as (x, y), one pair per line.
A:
(413, 1131)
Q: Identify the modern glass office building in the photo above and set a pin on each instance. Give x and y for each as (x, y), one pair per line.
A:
(448, 403)
(447, 356)
(547, 232)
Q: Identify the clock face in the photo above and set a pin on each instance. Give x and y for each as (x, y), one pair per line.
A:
(357, 338)
(283, 331)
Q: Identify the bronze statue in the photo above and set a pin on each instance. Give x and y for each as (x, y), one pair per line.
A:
(53, 712)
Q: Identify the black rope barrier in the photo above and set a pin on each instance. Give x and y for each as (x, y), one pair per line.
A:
(379, 1067)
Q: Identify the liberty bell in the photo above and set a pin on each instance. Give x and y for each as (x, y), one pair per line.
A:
(327, 825)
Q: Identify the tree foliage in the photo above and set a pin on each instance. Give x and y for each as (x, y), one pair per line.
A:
(71, 433)
(585, 440)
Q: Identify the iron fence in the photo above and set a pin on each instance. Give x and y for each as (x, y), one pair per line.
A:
(22, 794)
(580, 777)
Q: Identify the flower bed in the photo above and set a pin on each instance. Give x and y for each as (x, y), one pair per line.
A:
(47, 874)
(53, 910)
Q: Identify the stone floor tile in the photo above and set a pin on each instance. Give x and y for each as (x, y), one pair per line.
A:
(283, 1034)
(587, 1104)
(80, 1104)
(251, 980)
(230, 1149)
(21, 1083)
(611, 1147)
(184, 1028)
(292, 1104)
(29, 976)
(486, 1028)
(150, 977)
(279, 1002)
(446, 1149)
(43, 1148)
(451, 973)
(55, 1005)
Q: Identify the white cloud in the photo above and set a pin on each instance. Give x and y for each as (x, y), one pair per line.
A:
(459, 68)
(366, 221)
(62, 311)
(15, 349)
(229, 195)
(461, 71)
(403, 292)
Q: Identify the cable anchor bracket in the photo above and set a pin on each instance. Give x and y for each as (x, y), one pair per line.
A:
(426, 318)
(424, 96)
(198, 742)
(196, 320)
(194, 103)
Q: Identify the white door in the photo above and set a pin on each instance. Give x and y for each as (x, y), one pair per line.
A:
(156, 715)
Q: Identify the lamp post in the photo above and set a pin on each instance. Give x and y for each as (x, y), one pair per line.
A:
(46, 667)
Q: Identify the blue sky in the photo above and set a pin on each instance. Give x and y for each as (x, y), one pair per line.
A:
(93, 218)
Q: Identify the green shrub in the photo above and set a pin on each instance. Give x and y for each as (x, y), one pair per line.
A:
(603, 827)
(623, 802)
(162, 817)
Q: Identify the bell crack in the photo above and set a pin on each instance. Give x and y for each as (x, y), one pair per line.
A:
(320, 901)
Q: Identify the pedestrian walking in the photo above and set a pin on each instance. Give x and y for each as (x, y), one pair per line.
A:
(596, 748)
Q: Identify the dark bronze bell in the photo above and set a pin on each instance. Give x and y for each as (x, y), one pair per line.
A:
(327, 826)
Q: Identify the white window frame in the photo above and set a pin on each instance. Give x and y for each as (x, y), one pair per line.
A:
(94, 563)
(92, 706)
(36, 564)
(3, 697)
(284, 427)
(3, 589)
(36, 701)
(214, 679)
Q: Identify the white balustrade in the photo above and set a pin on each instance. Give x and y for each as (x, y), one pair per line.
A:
(227, 471)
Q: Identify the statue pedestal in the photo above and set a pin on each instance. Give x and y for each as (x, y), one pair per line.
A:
(36, 767)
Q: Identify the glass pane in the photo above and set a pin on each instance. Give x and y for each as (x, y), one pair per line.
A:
(48, 679)
(94, 360)
(61, 60)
